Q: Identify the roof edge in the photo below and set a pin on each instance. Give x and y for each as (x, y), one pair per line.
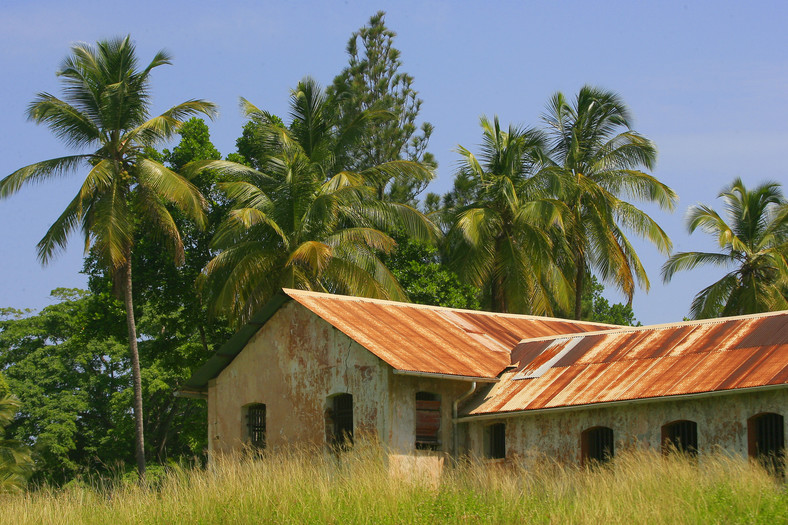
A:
(229, 350)
(438, 375)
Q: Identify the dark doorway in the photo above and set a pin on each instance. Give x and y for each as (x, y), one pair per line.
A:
(342, 416)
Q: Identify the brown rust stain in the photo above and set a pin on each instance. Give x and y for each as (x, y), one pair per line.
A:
(626, 363)
(525, 352)
(766, 332)
(647, 362)
(432, 339)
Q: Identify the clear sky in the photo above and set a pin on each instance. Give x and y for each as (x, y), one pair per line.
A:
(707, 81)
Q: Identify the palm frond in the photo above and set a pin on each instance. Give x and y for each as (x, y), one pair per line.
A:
(164, 183)
(69, 124)
(40, 171)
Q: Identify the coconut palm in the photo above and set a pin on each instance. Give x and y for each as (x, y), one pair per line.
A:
(500, 240)
(754, 243)
(593, 158)
(16, 464)
(303, 222)
(105, 109)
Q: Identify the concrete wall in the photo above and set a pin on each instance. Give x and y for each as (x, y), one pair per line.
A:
(721, 420)
(292, 365)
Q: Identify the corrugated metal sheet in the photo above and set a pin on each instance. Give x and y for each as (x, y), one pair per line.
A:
(638, 363)
(429, 339)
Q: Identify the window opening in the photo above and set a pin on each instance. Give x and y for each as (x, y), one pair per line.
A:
(766, 437)
(342, 415)
(680, 436)
(597, 445)
(428, 421)
(495, 441)
(255, 425)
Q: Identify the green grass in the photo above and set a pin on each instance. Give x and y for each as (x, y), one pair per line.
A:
(306, 486)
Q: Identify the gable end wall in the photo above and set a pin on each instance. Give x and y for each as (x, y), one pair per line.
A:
(293, 364)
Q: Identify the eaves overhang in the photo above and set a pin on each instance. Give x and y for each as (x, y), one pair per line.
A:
(455, 377)
(617, 403)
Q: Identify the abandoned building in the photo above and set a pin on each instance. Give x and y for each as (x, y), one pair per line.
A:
(431, 381)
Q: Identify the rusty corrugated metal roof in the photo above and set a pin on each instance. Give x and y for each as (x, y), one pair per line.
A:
(638, 363)
(430, 339)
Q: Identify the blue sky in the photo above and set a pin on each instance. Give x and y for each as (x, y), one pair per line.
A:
(707, 81)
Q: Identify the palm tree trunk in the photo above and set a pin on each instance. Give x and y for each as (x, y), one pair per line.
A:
(135, 371)
(579, 286)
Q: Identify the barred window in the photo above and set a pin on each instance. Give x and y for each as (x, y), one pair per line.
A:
(680, 436)
(597, 445)
(255, 425)
(495, 441)
(428, 420)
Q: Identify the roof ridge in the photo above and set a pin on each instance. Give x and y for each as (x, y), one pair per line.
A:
(290, 292)
(662, 326)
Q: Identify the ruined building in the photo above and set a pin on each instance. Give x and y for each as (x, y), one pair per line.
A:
(433, 382)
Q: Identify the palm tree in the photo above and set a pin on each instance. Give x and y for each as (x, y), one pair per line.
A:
(304, 222)
(106, 109)
(592, 159)
(754, 241)
(500, 239)
(15, 462)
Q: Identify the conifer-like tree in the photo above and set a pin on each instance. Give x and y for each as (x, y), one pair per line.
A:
(372, 81)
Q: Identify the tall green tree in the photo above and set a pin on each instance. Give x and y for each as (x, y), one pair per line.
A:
(754, 244)
(106, 108)
(592, 163)
(304, 221)
(373, 80)
(499, 237)
(69, 366)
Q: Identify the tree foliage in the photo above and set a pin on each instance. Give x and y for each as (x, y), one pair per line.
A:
(69, 371)
(598, 309)
(304, 221)
(592, 162)
(15, 461)
(372, 81)
(754, 243)
(426, 279)
(499, 237)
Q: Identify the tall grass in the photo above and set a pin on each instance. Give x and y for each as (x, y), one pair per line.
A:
(309, 486)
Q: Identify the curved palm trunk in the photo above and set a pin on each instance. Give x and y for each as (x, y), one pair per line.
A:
(139, 438)
(579, 287)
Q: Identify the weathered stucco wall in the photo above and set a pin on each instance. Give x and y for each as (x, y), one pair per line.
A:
(293, 364)
(721, 420)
